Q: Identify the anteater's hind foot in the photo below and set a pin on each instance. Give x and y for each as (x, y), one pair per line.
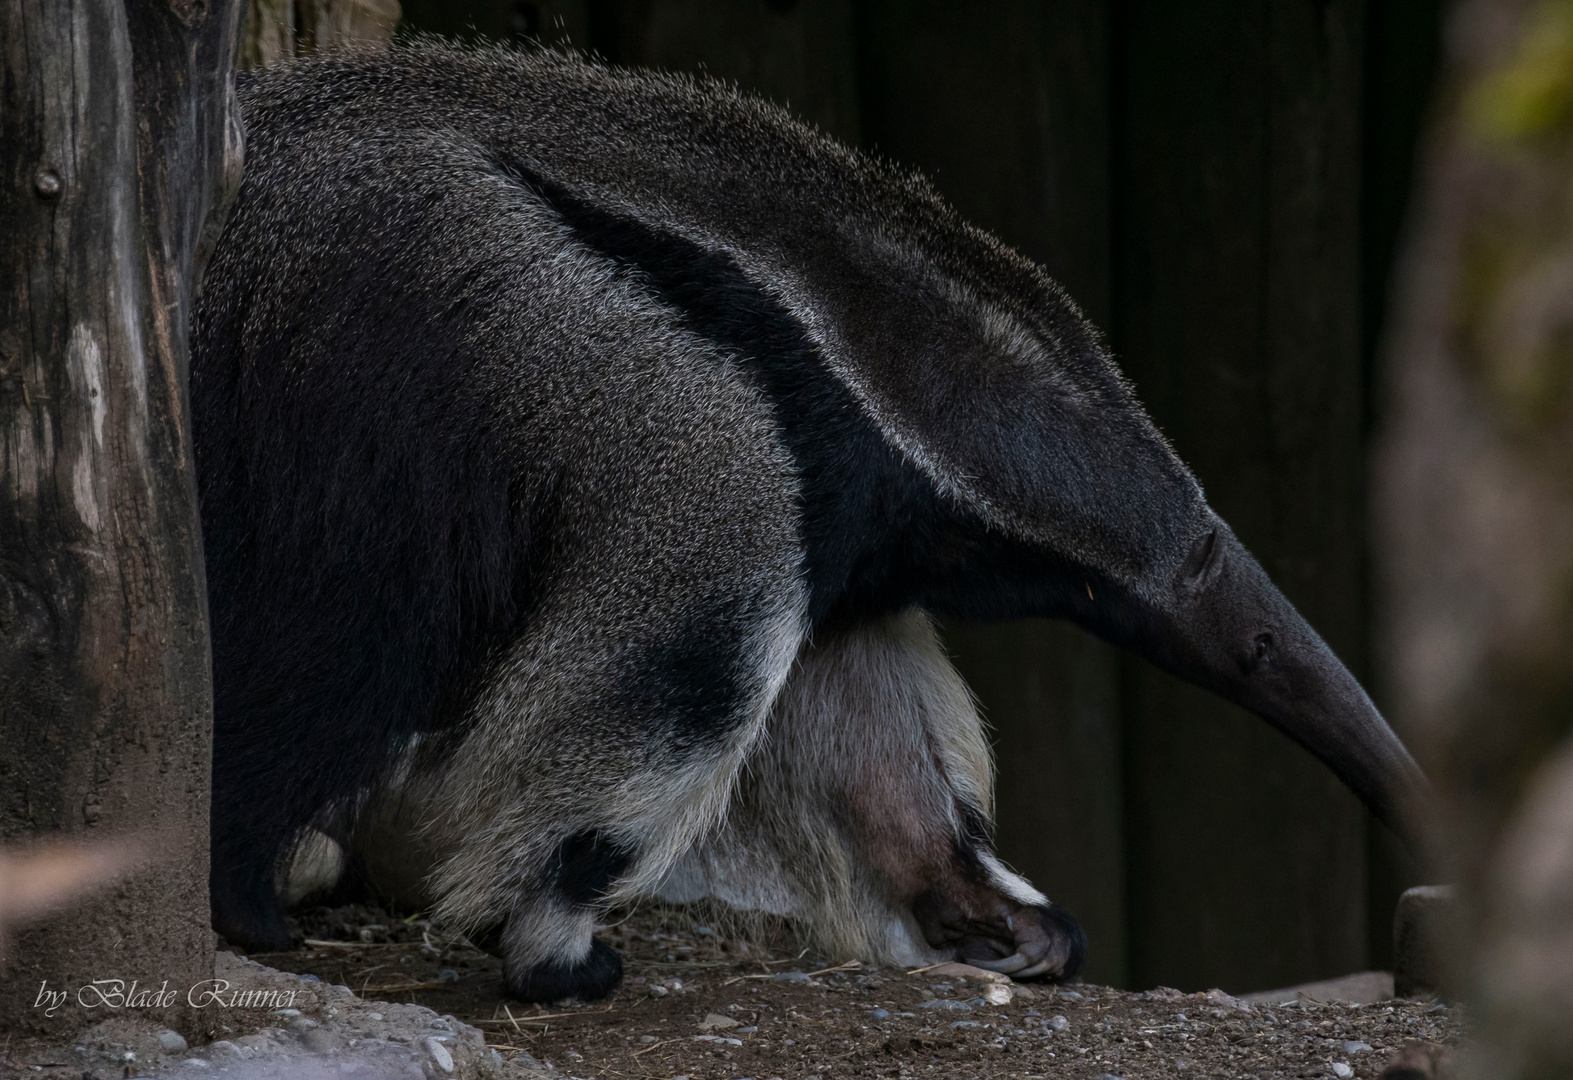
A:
(864, 815)
(1024, 941)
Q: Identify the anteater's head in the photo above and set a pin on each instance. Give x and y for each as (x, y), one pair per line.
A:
(988, 379)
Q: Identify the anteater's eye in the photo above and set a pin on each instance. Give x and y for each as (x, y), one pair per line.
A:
(1262, 649)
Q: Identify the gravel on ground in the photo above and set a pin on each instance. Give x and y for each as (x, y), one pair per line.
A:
(702, 1002)
(376, 996)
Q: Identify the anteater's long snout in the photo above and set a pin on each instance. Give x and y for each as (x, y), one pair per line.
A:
(1231, 630)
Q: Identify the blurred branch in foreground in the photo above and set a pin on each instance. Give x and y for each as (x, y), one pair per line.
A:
(45, 878)
(1475, 498)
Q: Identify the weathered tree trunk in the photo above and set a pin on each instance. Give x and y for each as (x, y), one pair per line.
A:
(120, 141)
(1476, 495)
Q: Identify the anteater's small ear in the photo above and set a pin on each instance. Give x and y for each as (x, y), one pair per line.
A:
(1203, 562)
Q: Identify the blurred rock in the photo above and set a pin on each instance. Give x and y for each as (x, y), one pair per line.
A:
(1523, 975)
(46, 877)
(1420, 1061)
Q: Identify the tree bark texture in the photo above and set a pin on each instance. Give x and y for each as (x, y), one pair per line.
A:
(1475, 489)
(120, 141)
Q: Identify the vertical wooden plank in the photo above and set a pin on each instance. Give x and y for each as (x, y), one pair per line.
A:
(798, 53)
(1005, 106)
(1238, 271)
(557, 23)
(1403, 39)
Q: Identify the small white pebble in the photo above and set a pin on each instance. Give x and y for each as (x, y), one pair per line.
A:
(439, 1054)
(1342, 1070)
(718, 1039)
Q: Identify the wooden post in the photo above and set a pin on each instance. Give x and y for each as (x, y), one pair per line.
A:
(120, 141)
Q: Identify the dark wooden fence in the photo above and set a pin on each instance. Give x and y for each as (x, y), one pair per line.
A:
(1219, 184)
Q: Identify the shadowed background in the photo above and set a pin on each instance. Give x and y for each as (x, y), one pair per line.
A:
(1221, 186)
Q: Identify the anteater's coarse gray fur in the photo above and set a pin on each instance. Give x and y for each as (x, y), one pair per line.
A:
(587, 450)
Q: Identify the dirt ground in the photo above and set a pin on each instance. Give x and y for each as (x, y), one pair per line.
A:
(699, 1002)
